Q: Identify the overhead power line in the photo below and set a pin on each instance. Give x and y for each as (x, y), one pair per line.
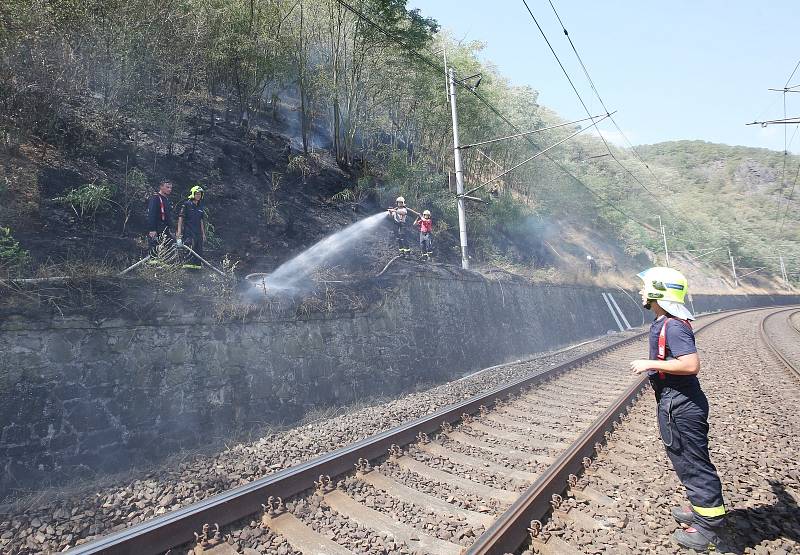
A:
(786, 86)
(440, 70)
(561, 166)
(785, 121)
(575, 89)
(427, 61)
(597, 93)
(517, 135)
(540, 153)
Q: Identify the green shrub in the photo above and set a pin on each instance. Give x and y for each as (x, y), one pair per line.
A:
(362, 191)
(303, 165)
(87, 199)
(11, 254)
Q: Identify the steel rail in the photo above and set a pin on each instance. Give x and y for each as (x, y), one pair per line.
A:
(178, 527)
(793, 366)
(510, 530)
(792, 322)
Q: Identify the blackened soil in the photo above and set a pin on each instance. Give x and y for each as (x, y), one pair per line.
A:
(243, 170)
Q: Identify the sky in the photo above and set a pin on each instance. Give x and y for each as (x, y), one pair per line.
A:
(674, 70)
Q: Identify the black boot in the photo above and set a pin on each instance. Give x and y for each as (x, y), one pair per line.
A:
(684, 515)
(700, 541)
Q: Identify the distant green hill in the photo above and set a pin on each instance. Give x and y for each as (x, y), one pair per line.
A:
(709, 195)
(742, 196)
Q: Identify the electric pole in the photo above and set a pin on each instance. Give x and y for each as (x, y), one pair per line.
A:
(783, 271)
(733, 269)
(664, 235)
(462, 218)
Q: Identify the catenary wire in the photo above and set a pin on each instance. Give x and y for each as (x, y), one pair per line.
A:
(580, 99)
(597, 93)
(427, 61)
(781, 219)
(789, 201)
(786, 86)
(790, 196)
(613, 121)
(440, 70)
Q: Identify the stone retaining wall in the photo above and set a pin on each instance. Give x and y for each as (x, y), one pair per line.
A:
(79, 397)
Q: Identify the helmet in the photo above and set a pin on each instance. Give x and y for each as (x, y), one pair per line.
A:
(426, 213)
(401, 199)
(196, 189)
(664, 283)
(668, 287)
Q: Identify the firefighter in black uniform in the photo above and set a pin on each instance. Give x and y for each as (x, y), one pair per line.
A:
(159, 218)
(682, 408)
(191, 227)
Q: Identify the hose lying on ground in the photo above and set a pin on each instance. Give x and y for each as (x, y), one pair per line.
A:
(204, 261)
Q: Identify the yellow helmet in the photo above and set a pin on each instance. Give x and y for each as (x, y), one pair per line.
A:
(196, 189)
(664, 284)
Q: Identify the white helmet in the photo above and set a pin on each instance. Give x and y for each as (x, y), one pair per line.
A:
(426, 213)
(401, 199)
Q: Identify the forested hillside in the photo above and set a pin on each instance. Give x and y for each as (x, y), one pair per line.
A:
(738, 196)
(291, 112)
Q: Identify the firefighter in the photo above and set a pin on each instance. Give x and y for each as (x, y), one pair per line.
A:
(159, 219)
(593, 269)
(191, 227)
(425, 225)
(399, 216)
(682, 408)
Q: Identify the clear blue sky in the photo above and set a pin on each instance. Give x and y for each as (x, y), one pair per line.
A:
(675, 70)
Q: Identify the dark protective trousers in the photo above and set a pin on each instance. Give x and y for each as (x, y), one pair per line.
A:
(400, 236)
(683, 423)
(194, 242)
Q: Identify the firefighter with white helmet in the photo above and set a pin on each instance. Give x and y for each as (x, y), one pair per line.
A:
(399, 216)
(682, 407)
(425, 224)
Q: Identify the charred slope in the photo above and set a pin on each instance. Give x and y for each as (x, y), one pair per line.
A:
(265, 202)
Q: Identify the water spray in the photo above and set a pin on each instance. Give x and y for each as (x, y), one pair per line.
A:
(293, 276)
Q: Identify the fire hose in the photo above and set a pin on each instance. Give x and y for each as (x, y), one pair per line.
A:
(200, 258)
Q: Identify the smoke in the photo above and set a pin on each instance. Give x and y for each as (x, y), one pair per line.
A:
(289, 116)
(295, 275)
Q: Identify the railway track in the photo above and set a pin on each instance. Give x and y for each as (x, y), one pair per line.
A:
(780, 331)
(621, 503)
(514, 448)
